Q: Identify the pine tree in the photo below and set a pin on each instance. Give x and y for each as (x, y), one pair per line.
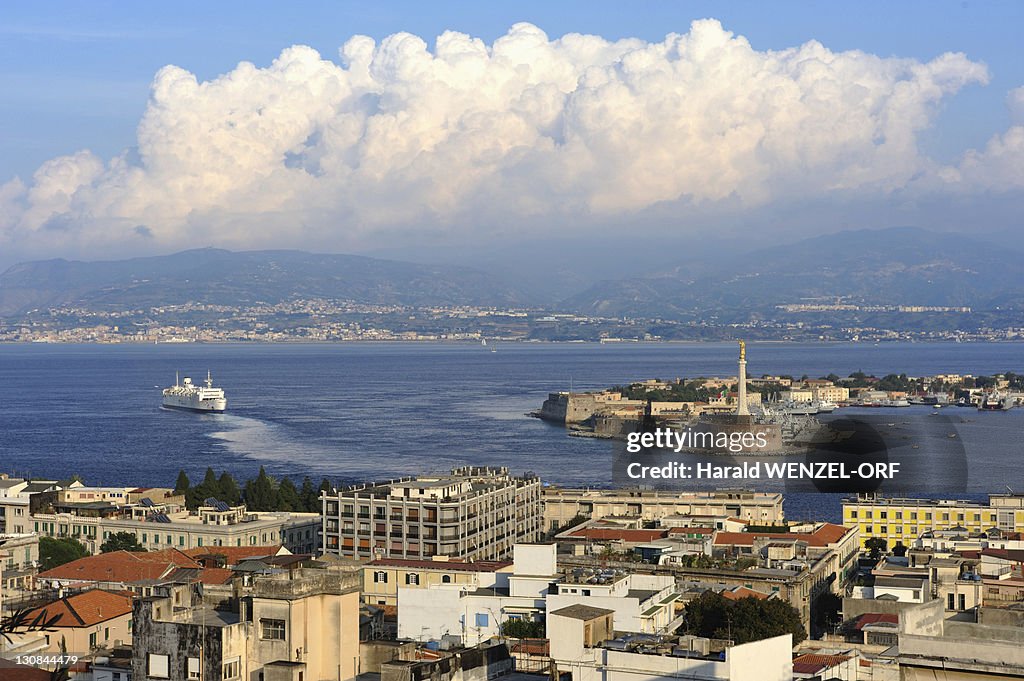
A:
(229, 491)
(288, 496)
(261, 494)
(309, 497)
(209, 487)
(183, 484)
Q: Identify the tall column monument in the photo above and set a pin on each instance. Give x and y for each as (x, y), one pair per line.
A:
(741, 391)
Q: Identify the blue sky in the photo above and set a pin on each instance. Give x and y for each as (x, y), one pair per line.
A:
(535, 137)
(76, 74)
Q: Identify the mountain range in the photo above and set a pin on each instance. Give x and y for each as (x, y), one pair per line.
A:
(897, 266)
(220, 277)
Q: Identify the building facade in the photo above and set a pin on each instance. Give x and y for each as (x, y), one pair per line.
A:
(564, 505)
(902, 521)
(470, 514)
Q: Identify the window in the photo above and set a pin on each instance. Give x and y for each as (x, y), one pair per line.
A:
(917, 594)
(853, 514)
(380, 577)
(272, 630)
(963, 602)
(446, 579)
(157, 666)
(92, 640)
(233, 668)
(193, 667)
(482, 620)
(949, 602)
(412, 578)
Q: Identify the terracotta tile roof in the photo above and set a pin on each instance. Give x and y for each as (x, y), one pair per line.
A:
(739, 592)
(442, 565)
(120, 566)
(691, 530)
(234, 554)
(215, 575)
(875, 618)
(638, 536)
(87, 608)
(821, 537)
(814, 663)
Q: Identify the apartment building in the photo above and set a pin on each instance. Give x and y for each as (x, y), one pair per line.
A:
(470, 514)
(383, 577)
(562, 505)
(639, 603)
(299, 625)
(475, 614)
(902, 521)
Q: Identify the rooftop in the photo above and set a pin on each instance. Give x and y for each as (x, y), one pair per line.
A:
(85, 609)
(441, 565)
(582, 612)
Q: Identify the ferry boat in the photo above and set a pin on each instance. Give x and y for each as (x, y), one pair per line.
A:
(188, 396)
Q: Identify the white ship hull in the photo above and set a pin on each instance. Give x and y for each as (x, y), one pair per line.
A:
(215, 406)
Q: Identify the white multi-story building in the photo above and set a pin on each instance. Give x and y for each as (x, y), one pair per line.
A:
(640, 603)
(474, 614)
(471, 514)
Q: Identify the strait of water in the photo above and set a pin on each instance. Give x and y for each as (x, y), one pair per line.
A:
(354, 412)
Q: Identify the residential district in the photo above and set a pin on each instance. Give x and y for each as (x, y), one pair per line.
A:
(483, 574)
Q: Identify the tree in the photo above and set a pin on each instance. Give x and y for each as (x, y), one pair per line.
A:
(522, 629)
(209, 487)
(876, 546)
(309, 497)
(288, 496)
(122, 541)
(54, 552)
(260, 494)
(183, 485)
(748, 619)
(899, 550)
(229, 492)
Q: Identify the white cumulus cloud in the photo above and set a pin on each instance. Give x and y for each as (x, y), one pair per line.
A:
(524, 132)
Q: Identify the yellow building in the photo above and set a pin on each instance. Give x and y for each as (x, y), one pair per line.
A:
(383, 577)
(901, 521)
(87, 621)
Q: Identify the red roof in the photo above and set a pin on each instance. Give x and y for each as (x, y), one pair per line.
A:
(121, 566)
(813, 663)
(215, 575)
(823, 536)
(739, 592)
(86, 609)
(691, 530)
(875, 618)
(633, 536)
(443, 565)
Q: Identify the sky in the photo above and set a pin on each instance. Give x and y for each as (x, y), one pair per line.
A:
(430, 130)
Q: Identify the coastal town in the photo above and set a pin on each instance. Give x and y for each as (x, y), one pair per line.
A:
(322, 320)
(484, 572)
